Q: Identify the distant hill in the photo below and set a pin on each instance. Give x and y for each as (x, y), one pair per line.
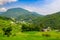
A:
(52, 21)
(20, 14)
(15, 12)
(1, 12)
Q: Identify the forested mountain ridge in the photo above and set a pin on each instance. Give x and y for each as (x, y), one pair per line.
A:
(21, 14)
(52, 21)
(16, 12)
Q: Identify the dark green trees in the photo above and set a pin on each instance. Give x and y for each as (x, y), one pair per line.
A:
(7, 31)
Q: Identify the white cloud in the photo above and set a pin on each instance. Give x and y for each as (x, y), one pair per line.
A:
(6, 1)
(3, 9)
(49, 8)
(52, 7)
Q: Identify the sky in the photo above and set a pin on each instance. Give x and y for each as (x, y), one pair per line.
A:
(43, 7)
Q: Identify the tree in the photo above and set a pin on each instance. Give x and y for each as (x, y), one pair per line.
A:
(7, 31)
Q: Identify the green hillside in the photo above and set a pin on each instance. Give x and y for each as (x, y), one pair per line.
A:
(52, 21)
(16, 12)
(21, 14)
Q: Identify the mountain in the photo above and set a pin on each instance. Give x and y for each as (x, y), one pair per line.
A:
(52, 21)
(15, 12)
(20, 14)
(1, 12)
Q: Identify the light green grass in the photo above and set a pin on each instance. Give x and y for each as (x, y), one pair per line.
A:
(32, 36)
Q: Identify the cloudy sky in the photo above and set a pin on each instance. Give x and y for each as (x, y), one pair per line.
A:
(44, 7)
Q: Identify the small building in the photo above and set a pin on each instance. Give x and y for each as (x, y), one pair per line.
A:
(46, 29)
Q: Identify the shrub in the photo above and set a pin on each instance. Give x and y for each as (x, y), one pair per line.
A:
(7, 31)
(46, 35)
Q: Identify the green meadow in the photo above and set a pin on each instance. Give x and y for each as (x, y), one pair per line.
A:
(32, 36)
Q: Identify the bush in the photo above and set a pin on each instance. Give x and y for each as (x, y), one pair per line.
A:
(7, 31)
(46, 35)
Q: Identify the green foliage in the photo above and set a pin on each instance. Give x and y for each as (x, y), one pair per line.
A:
(32, 36)
(7, 31)
(52, 21)
(29, 27)
(19, 13)
(46, 35)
